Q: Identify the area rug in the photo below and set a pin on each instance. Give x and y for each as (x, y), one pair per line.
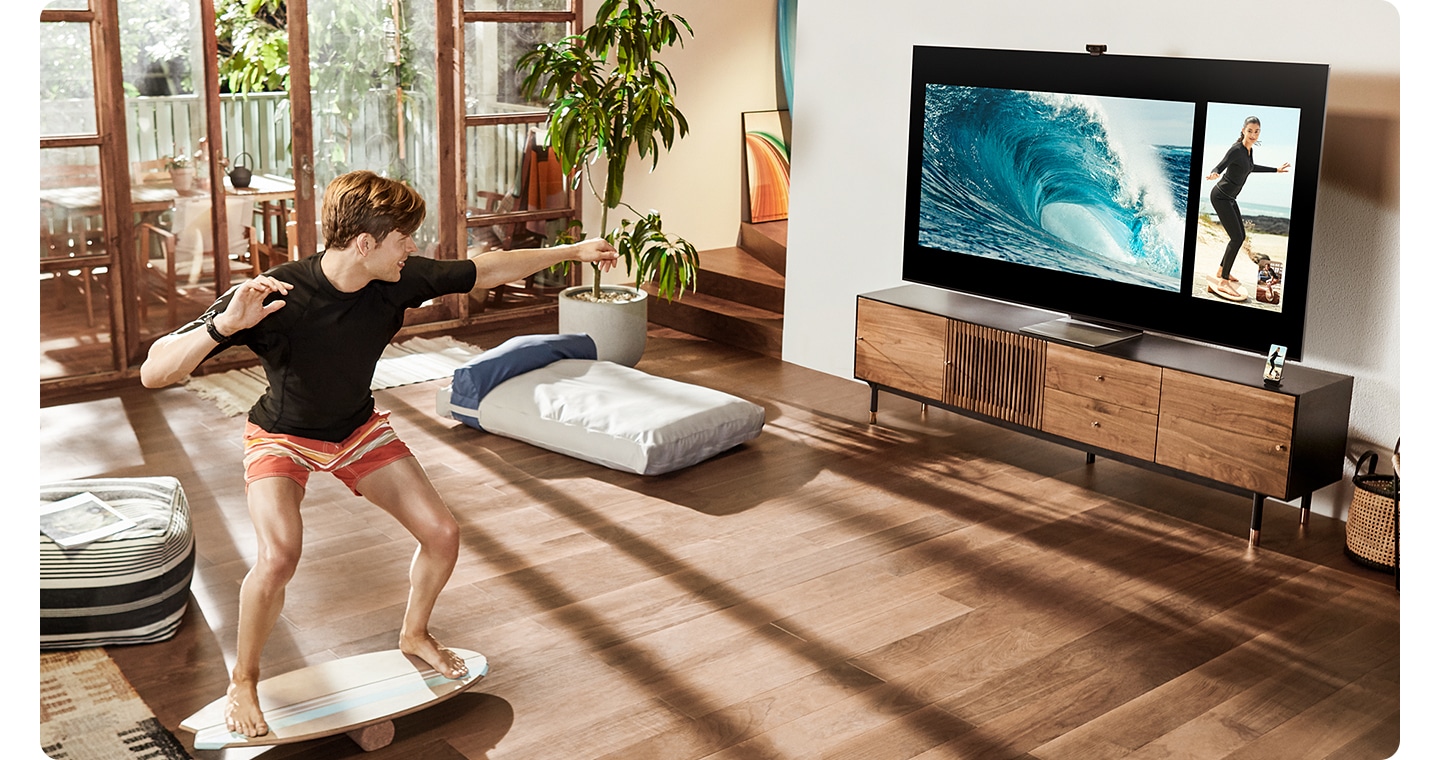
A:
(414, 361)
(88, 711)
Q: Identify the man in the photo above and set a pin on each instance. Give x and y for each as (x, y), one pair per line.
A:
(319, 326)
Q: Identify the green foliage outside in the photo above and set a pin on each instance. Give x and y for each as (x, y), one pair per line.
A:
(254, 46)
(156, 50)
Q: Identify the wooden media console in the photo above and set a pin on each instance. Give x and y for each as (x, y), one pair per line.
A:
(1188, 410)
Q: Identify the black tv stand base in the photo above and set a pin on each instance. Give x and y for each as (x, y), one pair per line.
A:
(1082, 334)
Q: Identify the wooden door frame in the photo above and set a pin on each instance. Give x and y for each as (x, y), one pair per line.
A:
(450, 193)
(109, 138)
(302, 125)
(214, 141)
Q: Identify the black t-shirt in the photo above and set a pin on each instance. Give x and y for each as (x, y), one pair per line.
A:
(319, 351)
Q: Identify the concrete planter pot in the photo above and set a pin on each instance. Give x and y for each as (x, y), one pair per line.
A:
(618, 328)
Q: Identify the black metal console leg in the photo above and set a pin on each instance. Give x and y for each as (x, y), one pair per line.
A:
(874, 401)
(1305, 509)
(1089, 457)
(1257, 511)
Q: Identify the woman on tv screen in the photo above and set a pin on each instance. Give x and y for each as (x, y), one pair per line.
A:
(1232, 171)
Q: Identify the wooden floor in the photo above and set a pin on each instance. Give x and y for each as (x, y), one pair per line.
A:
(931, 587)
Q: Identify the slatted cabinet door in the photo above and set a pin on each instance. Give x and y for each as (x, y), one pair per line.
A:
(1226, 432)
(997, 373)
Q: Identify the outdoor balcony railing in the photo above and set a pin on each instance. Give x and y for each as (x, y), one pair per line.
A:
(259, 125)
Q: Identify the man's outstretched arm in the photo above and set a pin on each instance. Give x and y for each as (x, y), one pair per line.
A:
(495, 268)
(173, 357)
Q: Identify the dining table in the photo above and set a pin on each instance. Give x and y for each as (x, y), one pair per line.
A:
(151, 198)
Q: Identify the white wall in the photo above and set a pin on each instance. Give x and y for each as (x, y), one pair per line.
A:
(851, 116)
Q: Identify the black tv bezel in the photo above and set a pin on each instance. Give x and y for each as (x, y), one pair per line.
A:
(1194, 80)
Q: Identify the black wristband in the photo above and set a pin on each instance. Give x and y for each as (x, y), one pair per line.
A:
(210, 328)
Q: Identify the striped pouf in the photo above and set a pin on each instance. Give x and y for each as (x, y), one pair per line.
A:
(129, 588)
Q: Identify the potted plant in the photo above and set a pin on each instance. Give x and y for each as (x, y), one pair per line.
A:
(610, 96)
(182, 173)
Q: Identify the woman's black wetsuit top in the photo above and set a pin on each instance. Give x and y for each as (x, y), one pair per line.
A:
(1235, 168)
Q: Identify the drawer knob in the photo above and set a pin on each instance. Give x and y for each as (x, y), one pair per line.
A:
(1279, 447)
(1096, 423)
(1099, 378)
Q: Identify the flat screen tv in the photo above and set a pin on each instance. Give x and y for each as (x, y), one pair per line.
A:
(1124, 191)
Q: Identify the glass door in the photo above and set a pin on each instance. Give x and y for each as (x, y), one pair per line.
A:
(171, 180)
(128, 232)
(372, 92)
(185, 145)
(515, 195)
(373, 104)
(79, 235)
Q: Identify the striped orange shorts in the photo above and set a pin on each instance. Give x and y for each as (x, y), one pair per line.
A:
(366, 450)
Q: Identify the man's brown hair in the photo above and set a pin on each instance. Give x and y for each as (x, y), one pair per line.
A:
(363, 201)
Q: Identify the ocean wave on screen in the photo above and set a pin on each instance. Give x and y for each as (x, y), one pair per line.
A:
(1047, 180)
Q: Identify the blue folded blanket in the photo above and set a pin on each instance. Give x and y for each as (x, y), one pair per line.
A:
(516, 356)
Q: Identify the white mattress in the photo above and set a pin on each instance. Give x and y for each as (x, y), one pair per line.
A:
(614, 415)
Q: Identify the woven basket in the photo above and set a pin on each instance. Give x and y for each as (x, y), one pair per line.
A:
(1372, 534)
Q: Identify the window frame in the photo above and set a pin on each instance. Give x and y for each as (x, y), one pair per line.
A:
(538, 118)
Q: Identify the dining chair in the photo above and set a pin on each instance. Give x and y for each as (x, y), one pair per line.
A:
(71, 247)
(193, 243)
(165, 255)
(72, 240)
(149, 172)
(511, 235)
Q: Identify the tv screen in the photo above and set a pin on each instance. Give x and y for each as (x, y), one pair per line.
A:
(1163, 194)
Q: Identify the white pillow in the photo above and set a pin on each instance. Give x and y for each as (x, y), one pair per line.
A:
(614, 415)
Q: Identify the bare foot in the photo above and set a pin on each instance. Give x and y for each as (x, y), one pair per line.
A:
(1227, 291)
(444, 661)
(1223, 278)
(242, 711)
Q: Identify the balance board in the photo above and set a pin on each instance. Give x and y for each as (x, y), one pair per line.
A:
(1241, 294)
(357, 695)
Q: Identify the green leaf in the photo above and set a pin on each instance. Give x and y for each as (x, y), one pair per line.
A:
(610, 97)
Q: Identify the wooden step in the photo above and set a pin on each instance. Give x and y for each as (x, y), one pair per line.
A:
(728, 322)
(734, 275)
(766, 241)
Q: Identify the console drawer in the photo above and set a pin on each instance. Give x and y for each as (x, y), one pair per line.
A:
(1107, 379)
(1226, 432)
(1109, 426)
